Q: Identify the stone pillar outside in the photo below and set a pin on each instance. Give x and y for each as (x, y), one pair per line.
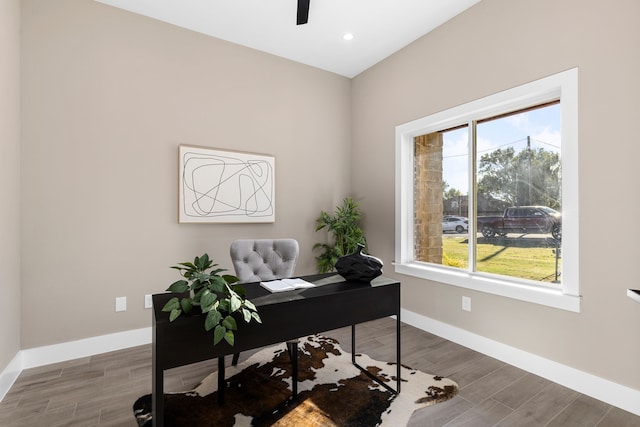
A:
(428, 195)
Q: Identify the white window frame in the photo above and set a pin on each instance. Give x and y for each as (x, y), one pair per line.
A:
(563, 86)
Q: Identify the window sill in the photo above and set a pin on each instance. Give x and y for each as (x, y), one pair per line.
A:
(536, 294)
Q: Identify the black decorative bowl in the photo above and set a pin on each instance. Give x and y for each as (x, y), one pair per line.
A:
(358, 266)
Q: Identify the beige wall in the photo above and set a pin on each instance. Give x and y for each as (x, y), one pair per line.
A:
(9, 179)
(107, 97)
(493, 46)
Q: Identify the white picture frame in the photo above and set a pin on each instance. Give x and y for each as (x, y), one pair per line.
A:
(221, 186)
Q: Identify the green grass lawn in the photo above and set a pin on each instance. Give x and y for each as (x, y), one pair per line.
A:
(503, 256)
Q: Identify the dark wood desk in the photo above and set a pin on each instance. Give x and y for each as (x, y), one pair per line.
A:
(333, 303)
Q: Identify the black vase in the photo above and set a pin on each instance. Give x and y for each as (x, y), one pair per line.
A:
(358, 266)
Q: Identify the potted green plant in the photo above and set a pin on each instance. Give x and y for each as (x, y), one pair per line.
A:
(216, 294)
(345, 229)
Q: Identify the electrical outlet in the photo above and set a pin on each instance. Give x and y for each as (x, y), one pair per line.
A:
(148, 302)
(466, 303)
(121, 304)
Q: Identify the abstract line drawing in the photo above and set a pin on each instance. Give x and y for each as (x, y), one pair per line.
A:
(225, 186)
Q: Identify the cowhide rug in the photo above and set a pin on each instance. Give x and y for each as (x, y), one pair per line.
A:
(331, 392)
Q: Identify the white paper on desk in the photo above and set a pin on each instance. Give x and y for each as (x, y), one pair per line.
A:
(284, 285)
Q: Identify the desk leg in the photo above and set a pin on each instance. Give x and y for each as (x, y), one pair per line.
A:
(353, 344)
(369, 374)
(157, 397)
(293, 355)
(221, 381)
(398, 379)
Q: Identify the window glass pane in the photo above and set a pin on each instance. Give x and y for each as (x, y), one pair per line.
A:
(455, 203)
(441, 181)
(519, 195)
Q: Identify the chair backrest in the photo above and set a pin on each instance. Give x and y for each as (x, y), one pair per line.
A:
(263, 259)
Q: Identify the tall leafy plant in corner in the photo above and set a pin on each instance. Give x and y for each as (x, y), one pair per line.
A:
(344, 227)
(215, 294)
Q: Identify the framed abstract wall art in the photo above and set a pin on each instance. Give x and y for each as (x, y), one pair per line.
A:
(220, 186)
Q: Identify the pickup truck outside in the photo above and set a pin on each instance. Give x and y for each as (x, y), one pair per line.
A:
(522, 219)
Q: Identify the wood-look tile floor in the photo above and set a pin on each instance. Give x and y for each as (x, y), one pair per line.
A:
(100, 390)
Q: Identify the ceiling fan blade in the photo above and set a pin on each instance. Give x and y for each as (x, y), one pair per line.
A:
(303, 12)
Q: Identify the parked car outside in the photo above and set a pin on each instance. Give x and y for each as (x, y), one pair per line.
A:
(522, 219)
(458, 224)
(463, 218)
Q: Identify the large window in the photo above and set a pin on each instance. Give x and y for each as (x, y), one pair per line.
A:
(487, 194)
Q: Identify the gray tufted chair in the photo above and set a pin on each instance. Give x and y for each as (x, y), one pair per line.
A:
(264, 259)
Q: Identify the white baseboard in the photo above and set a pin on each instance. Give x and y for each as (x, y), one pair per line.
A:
(10, 374)
(599, 388)
(55, 353)
(40, 356)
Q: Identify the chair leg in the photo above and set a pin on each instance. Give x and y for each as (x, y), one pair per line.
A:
(292, 349)
(234, 360)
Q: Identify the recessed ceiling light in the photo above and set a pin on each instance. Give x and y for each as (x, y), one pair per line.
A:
(347, 36)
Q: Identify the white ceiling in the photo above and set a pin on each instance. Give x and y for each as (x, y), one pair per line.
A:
(380, 27)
